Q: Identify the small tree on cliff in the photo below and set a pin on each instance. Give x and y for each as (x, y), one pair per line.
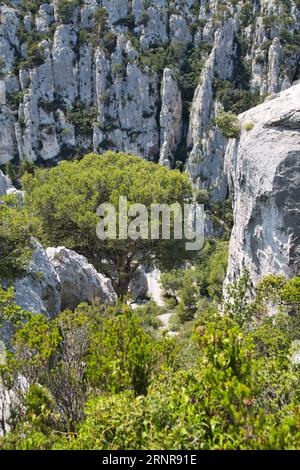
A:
(65, 199)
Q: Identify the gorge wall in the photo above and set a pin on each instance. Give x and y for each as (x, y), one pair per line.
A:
(146, 77)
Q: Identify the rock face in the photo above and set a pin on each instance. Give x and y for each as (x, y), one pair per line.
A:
(39, 290)
(170, 118)
(155, 289)
(146, 80)
(79, 280)
(5, 184)
(263, 167)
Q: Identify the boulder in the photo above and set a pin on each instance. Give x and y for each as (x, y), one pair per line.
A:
(80, 282)
(263, 167)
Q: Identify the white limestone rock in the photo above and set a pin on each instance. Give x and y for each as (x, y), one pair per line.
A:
(275, 53)
(127, 93)
(79, 280)
(170, 118)
(117, 10)
(44, 18)
(263, 167)
(179, 30)
(39, 289)
(64, 71)
(6, 188)
(206, 160)
(9, 41)
(155, 30)
(8, 147)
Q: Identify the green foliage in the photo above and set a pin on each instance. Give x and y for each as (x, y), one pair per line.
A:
(233, 99)
(216, 271)
(237, 303)
(32, 5)
(148, 314)
(101, 349)
(10, 313)
(16, 172)
(279, 292)
(32, 40)
(110, 41)
(14, 100)
(66, 198)
(229, 124)
(101, 17)
(83, 119)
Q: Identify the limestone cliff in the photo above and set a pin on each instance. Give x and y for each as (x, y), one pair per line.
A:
(263, 167)
(142, 76)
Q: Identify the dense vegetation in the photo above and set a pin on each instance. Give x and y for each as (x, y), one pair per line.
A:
(103, 378)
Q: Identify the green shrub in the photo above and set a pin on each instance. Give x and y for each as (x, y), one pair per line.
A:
(229, 124)
(16, 230)
(66, 9)
(110, 41)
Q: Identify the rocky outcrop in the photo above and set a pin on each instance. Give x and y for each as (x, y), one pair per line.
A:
(59, 279)
(138, 287)
(263, 166)
(206, 141)
(5, 184)
(155, 290)
(79, 280)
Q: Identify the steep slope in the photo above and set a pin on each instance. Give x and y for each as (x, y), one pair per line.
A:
(263, 166)
(146, 77)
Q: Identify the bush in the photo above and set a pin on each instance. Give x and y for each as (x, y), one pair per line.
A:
(202, 196)
(229, 124)
(66, 9)
(66, 199)
(122, 356)
(83, 119)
